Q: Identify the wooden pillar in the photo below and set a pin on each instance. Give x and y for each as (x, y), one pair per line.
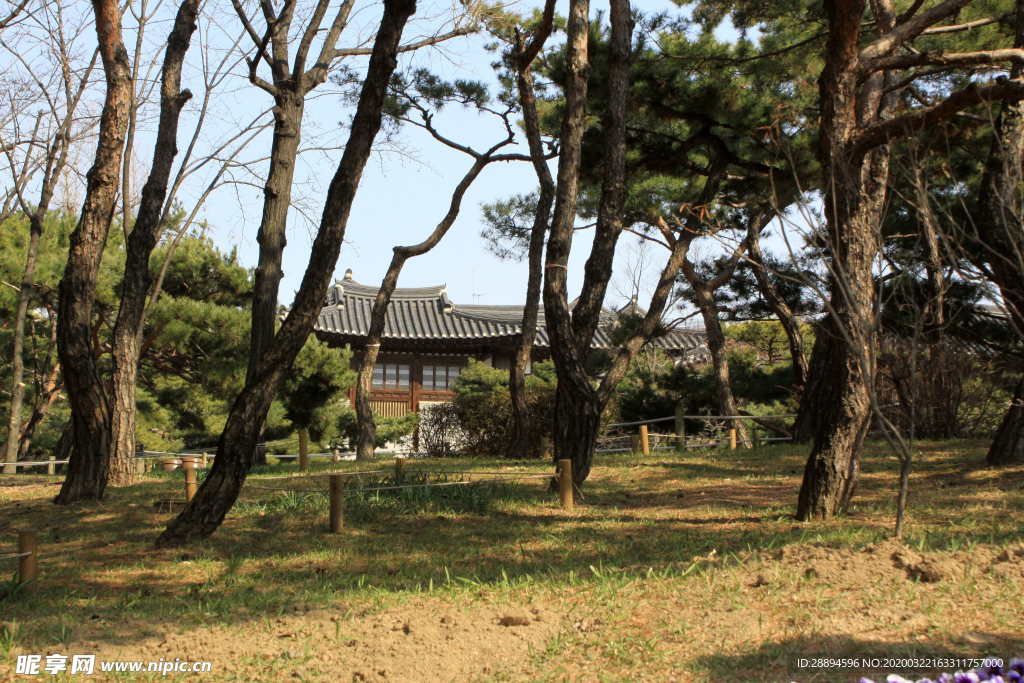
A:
(206, 460)
(28, 566)
(50, 467)
(191, 486)
(645, 442)
(400, 467)
(337, 514)
(545, 447)
(335, 456)
(634, 443)
(303, 451)
(732, 439)
(565, 483)
(680, 430)
(755, 436)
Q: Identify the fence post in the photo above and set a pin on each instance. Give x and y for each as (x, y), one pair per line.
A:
(50, 468)
(400, 467)
(206, 460)
(645, 441)
(337, 510)
(755, 435)
(545, 447)
(635, 443)
(565, 483)
(335, 456)
(190, 484)
(303, 451)
(680, 430)
(28, 567)
(732, 439)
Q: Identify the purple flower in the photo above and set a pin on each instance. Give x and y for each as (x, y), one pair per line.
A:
(896, 678)
(946, 678)
(1017, 666)
(1014, 677)
(969, 677)
(925, 680)
(865, 680)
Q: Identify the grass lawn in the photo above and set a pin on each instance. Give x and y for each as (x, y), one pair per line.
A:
(672, 568)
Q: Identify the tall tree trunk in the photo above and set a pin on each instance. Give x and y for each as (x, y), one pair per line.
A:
(89, 466)
(218, 493)
(141, 241)
(719, 359)
(819, 382)
(853, 187)
(378, 316)
(578, 405)
(55, 161)
(776, 303)
(272, 235)
(18, 359)
(520, 444)
(1001, 233)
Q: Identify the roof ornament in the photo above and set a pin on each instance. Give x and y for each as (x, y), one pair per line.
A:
(348, 276)
(446, 304)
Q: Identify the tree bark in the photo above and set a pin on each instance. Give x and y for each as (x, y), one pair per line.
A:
(520, 444)
(819, 383)
(47, 392)
(141, 241)
(1001, 233)
(89, 467)
(705, 292)
(854, 189)
(1008, 445)
(218, 493)
(378, 316)
(578, 405)
(777, 304)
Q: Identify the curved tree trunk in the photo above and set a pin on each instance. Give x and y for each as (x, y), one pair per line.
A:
(719, 359)
(1008, 445)
(140, 244)
(218, 493)
(520, 444)
(378, 316)
(778, 305)
(89, 466)
(819, 383)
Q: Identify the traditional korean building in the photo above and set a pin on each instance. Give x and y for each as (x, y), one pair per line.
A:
(428, 340)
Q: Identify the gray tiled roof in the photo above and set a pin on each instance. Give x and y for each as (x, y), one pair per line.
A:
(427, 313)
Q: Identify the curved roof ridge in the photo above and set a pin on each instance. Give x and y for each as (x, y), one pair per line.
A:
(356, 289)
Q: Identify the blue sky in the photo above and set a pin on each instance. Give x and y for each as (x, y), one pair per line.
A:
(402, 198)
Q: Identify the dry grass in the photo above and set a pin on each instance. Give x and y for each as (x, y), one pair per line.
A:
(673, 567)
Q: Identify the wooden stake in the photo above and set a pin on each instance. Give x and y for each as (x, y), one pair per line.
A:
(28, 567)
(303, 451)
(206, 460)
(335, 456)
(732, 439)
(400, 466)
(755, 436)
(336, 486)
(565, 483)
(51, 468)
(680, 430)
(190, 484)
(635, 443)
(645, 441)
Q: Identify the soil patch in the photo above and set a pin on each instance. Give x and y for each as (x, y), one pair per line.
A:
(420, 641)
